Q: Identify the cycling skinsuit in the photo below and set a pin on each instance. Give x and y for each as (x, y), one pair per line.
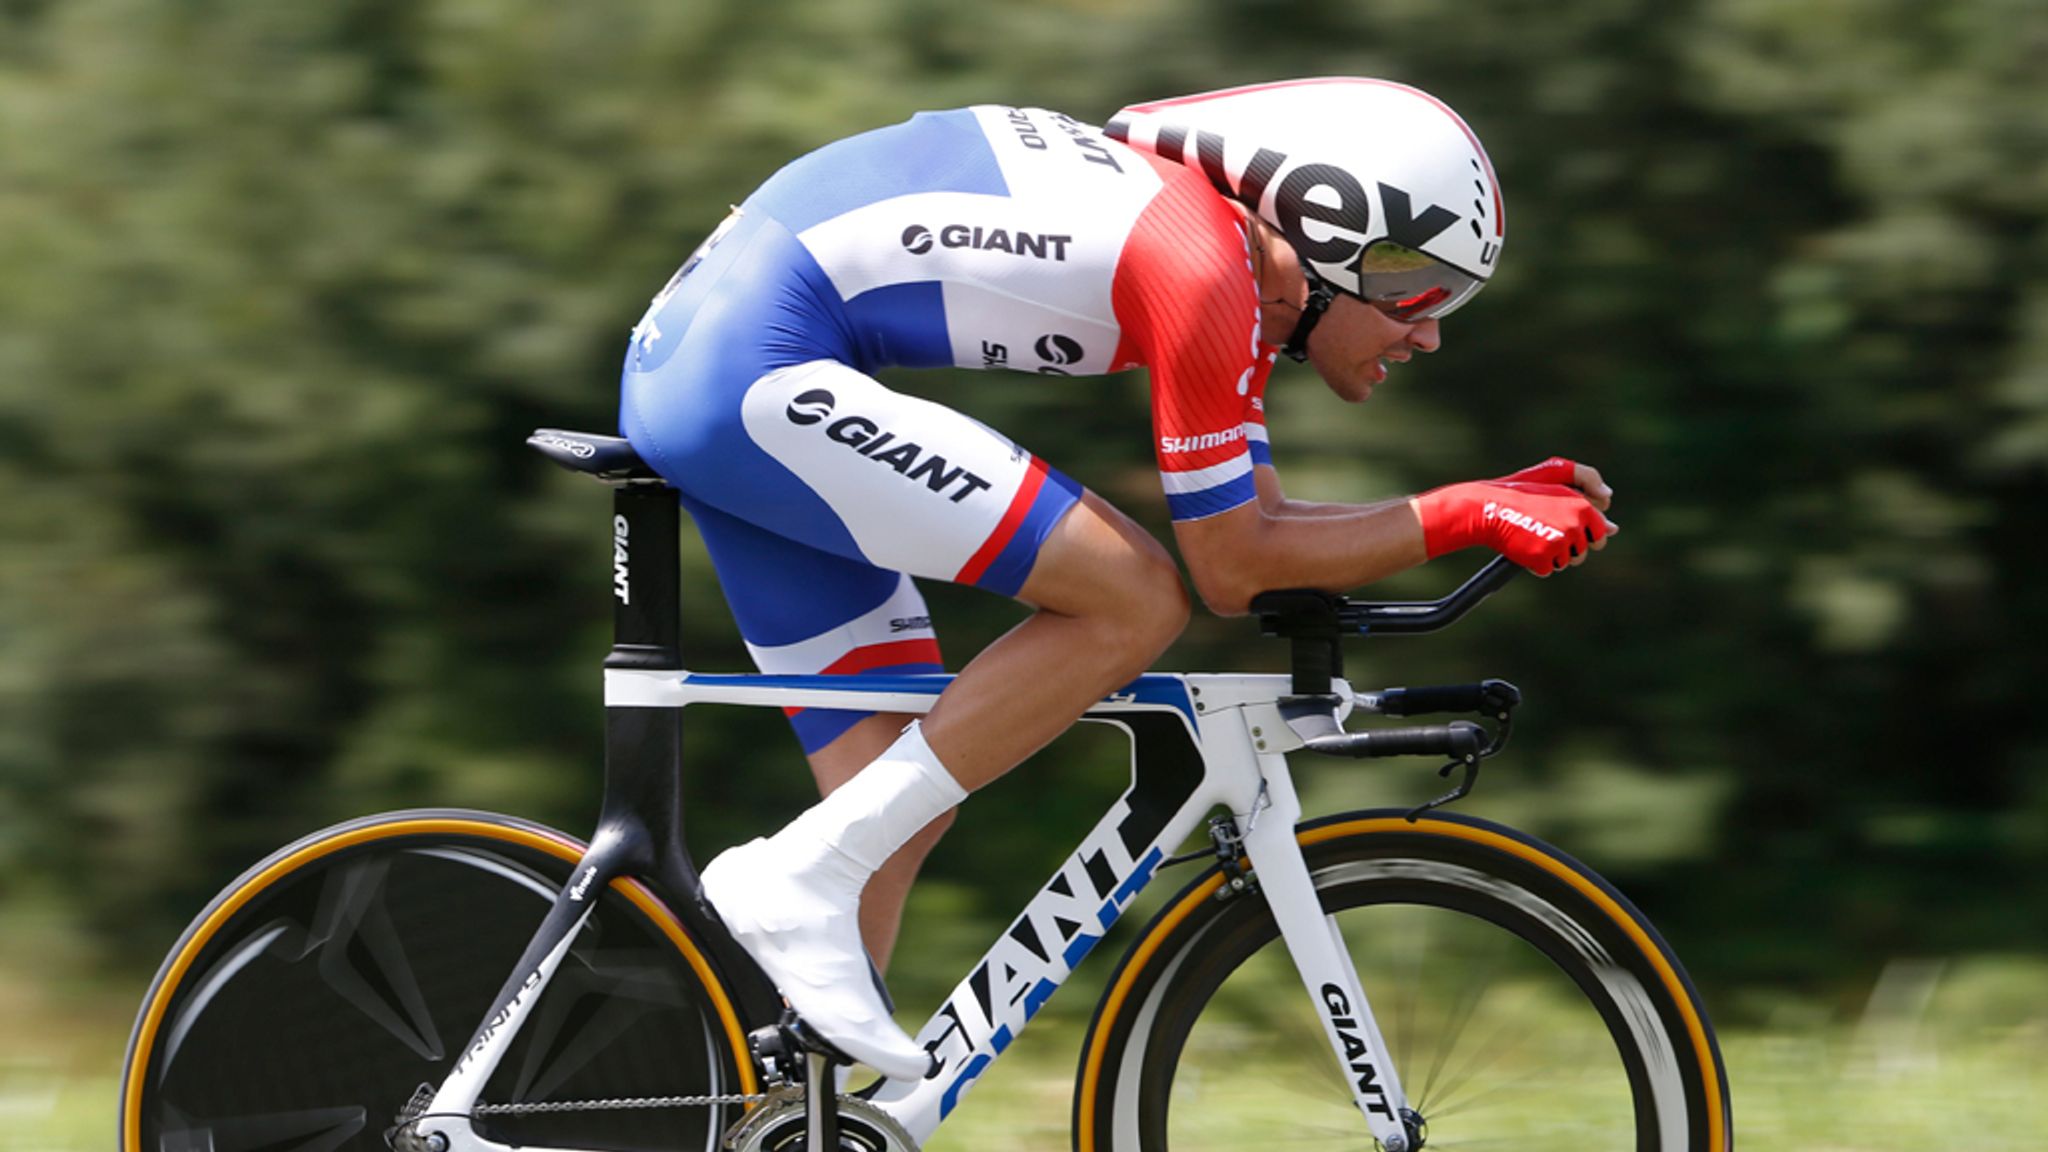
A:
(986, 237)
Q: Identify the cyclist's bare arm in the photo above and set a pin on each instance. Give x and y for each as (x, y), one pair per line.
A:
(1276, 503)
(1235, 555)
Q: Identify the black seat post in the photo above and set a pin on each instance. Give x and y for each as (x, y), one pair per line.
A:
(640, 824)
(643, 800)
(646, 578)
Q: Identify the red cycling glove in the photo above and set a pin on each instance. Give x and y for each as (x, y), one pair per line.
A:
(1556, 470)
(1540, 526)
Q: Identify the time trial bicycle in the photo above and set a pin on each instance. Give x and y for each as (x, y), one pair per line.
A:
(457, 981)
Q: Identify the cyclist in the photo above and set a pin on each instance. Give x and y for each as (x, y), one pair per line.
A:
(1335, 220)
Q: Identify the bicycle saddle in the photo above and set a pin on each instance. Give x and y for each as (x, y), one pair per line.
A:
(609, 458)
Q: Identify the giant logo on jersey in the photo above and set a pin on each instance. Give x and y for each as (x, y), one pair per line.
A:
(869, 439)
(917, 240)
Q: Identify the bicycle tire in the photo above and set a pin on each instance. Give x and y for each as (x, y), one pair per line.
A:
(1206, 1004)
(312, 997)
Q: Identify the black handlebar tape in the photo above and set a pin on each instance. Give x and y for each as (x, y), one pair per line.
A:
(1421, 701)
(1488, 697)
(1458, 739)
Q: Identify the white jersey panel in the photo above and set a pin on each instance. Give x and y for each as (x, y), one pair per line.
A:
(1027, 277)
(992, 329)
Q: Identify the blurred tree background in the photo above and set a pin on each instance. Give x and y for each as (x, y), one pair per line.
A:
(283, 286)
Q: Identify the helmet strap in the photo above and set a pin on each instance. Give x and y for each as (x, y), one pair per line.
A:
(1320, 294)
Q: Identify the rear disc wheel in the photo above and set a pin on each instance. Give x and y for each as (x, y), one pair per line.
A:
(314, 997)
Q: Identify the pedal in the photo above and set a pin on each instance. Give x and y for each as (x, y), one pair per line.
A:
(795, 1059)
(783, 1050)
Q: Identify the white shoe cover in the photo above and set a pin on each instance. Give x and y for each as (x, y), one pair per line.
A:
(794, 906)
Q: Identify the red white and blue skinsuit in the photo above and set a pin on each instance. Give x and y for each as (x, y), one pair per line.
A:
(986, 237)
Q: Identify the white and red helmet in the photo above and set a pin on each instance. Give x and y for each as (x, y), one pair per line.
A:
(1381, 188)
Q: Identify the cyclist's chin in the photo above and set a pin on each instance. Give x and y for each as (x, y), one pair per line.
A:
(1352, 388)
(1353, 383)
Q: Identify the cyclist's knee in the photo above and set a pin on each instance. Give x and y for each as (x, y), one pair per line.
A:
(1135, 607)
(1153, 603)
(1100, 565)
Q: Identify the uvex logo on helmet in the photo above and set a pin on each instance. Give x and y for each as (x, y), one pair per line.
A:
(1323, 210)
(1339, 165)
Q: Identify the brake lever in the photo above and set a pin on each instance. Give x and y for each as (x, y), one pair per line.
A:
(1464, 788)
(1314, 721)
(1505, 718)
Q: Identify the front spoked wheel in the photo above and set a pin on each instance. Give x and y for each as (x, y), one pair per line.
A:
(1525, 1005)
(307, 1004)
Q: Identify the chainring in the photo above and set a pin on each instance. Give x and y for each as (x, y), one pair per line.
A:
(779, 1125)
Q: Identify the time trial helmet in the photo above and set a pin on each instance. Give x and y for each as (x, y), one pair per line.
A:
(1383, 191)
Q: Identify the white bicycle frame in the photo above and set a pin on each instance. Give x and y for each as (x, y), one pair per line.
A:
(1231, 724)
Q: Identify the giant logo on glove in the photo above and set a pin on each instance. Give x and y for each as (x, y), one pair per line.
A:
(1495, 510)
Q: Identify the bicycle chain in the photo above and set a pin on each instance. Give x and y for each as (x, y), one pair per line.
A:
(622, 1104)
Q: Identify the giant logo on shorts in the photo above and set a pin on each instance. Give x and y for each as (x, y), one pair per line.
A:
(810, 407)
(867, 438)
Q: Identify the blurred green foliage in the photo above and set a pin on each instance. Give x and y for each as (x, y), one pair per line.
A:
(282, 287)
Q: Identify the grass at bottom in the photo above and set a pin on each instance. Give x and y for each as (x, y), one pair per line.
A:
(61, 1040)
(1942, 1053)
(1945, 1053)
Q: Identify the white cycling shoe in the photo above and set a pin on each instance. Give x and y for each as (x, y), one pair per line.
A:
(794, 906)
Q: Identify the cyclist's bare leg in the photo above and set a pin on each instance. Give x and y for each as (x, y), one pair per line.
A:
(1109, 601)
(881, 902)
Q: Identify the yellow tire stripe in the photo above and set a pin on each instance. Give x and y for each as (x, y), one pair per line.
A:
(1113, 1003)
(1091, 1068)
(632, 890)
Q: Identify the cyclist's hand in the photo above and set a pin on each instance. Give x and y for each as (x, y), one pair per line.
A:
(1542, 527)
(1571, 473)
